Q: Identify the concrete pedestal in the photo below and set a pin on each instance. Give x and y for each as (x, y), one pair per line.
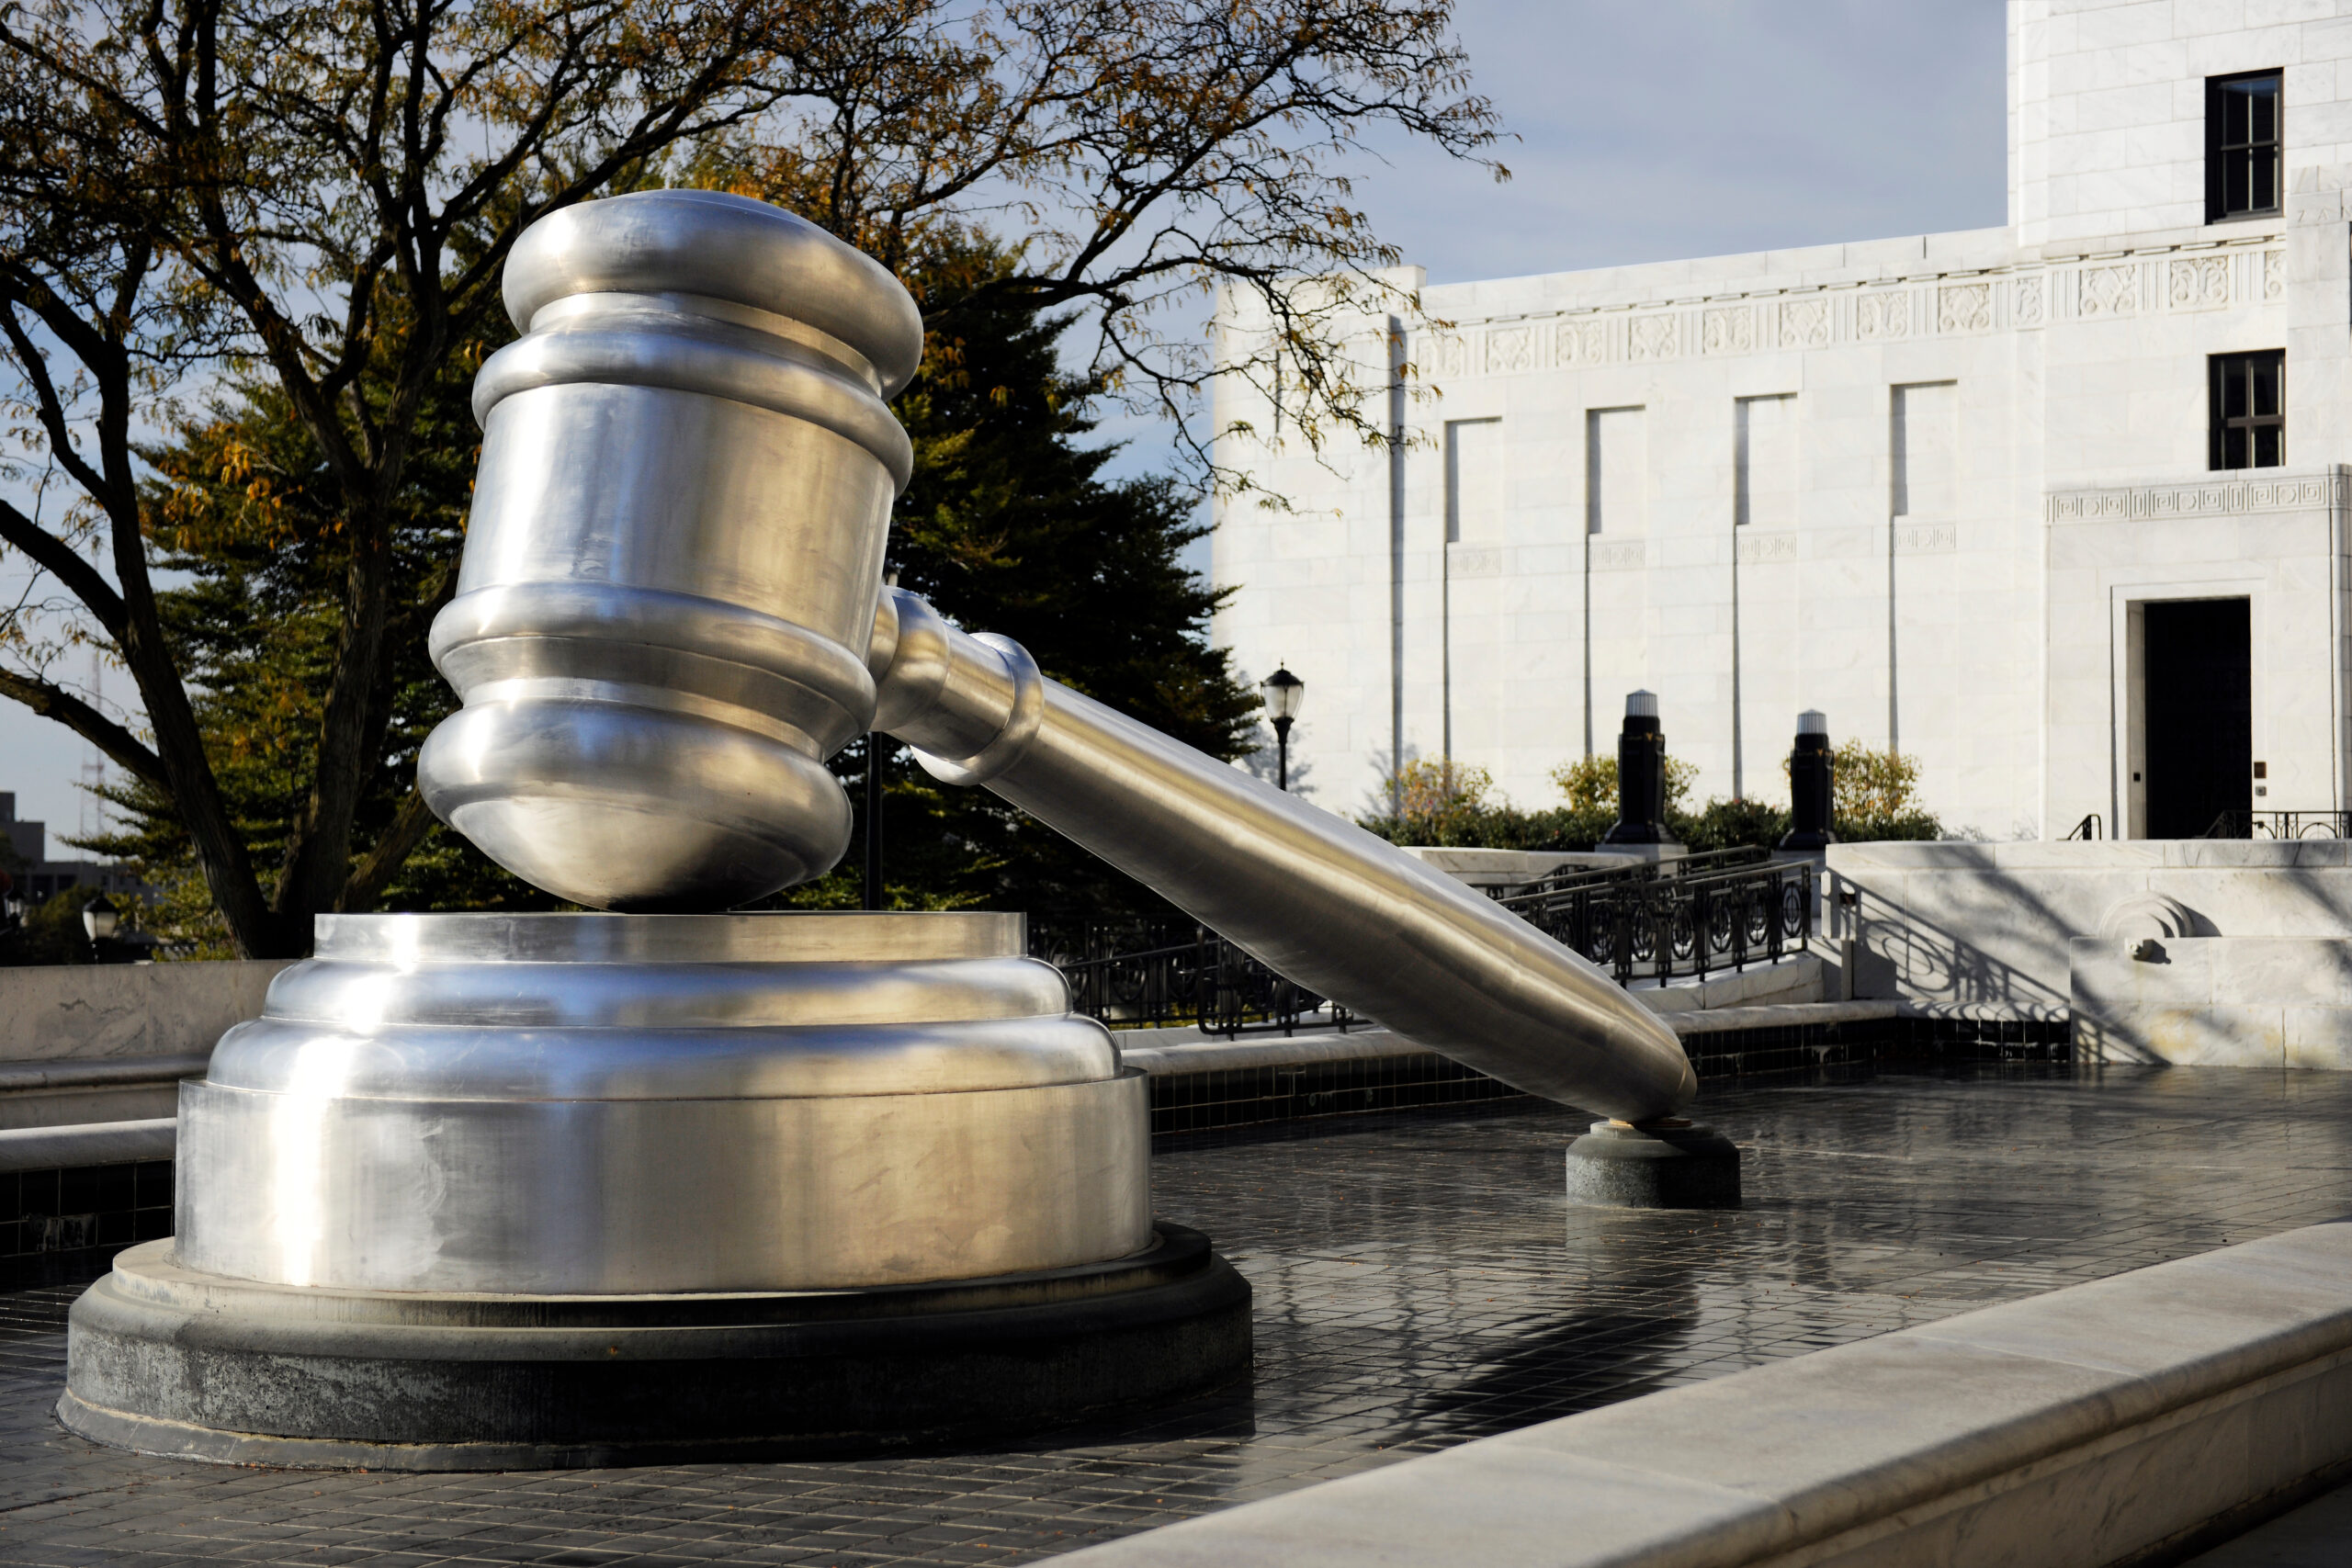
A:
(166, 1360)
(1666, 1164)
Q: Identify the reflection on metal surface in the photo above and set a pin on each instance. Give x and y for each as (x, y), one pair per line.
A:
(449, 1103)
(630, 1197)
(672, 611)
(1320, 900)
(676, 539)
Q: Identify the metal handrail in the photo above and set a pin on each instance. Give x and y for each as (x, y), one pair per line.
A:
(1202, 980)
(1567, 877)
(2091, 827)
(1658, 926)
(1639, 921)
(2326, 823)
(1709, 862)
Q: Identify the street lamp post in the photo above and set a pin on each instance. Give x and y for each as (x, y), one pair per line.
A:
(100, 919)
(1283, 691)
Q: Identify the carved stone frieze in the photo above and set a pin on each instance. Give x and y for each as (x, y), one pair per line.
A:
(2110, 291)
(2100, 289)
(1804, 324)
(2029, 309)
(2198, 283)
(1510, 349)
(1882, 316)
(1926, 538)
(2209, 498)
(1964, 308)
(1656, 337)
(1728, 331)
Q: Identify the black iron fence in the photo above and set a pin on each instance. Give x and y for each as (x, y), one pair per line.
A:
(2282, 825)
(1152, 974)
(1670, 919)
(1640, 921)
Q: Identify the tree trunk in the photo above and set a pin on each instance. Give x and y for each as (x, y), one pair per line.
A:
(318, 856)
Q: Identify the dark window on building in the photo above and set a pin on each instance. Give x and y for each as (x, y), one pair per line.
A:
(2242, 146)
(2249, 403)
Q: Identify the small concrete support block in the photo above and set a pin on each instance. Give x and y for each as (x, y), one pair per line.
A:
(1665, 1164)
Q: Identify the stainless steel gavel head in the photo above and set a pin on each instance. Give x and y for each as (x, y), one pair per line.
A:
(671, 562)
(671, 613)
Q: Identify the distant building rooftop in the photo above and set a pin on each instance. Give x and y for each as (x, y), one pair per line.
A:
(40, 879)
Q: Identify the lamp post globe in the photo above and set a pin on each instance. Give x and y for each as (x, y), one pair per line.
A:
(99, 918)
(1283, 691)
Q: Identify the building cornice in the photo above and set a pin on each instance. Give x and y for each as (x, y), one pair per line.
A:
(2234, 273)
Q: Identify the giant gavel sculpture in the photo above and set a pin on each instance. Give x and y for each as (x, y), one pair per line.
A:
(489, 1190)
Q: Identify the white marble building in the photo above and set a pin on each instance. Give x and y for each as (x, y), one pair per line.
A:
(1952, 489)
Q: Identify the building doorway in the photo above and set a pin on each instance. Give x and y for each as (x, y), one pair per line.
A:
(2196, 662)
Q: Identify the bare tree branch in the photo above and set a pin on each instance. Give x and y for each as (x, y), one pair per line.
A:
(53, 701)
(57, 559)
(410, 826)
(311, 206)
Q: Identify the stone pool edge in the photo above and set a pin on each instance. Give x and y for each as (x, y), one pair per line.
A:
(2122, 1421)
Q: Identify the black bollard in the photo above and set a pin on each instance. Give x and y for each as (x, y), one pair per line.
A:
(1812, 785)
(1641, 775)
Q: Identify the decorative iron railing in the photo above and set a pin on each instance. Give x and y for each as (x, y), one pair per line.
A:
(1712, 860)
(1154, 974)
(2282, 825)
(1676, 917)
(1641, 921)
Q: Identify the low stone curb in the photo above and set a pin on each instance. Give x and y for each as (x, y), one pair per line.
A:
(17, 1077)
(1790, 1015)
(2132, 1419)
(96, 1142)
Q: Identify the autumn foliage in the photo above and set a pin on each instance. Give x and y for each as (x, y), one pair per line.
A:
(249, 249)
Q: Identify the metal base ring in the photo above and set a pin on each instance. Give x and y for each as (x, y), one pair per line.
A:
(165, 1360)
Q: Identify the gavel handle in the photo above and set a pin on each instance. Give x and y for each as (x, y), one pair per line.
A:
(1313, 896)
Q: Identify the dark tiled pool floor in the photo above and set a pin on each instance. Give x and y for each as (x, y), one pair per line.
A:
(1419, 1283)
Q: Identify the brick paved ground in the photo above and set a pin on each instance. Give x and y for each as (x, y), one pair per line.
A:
(1419, 1283)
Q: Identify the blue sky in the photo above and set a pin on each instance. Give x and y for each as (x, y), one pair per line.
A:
(1672, 127)
(1692, 128)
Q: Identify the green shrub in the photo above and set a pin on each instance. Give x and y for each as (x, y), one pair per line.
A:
(1590, 784)
(1457, 805)
(1729, 825)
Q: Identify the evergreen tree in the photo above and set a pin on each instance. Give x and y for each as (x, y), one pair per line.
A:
(1008, 526)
